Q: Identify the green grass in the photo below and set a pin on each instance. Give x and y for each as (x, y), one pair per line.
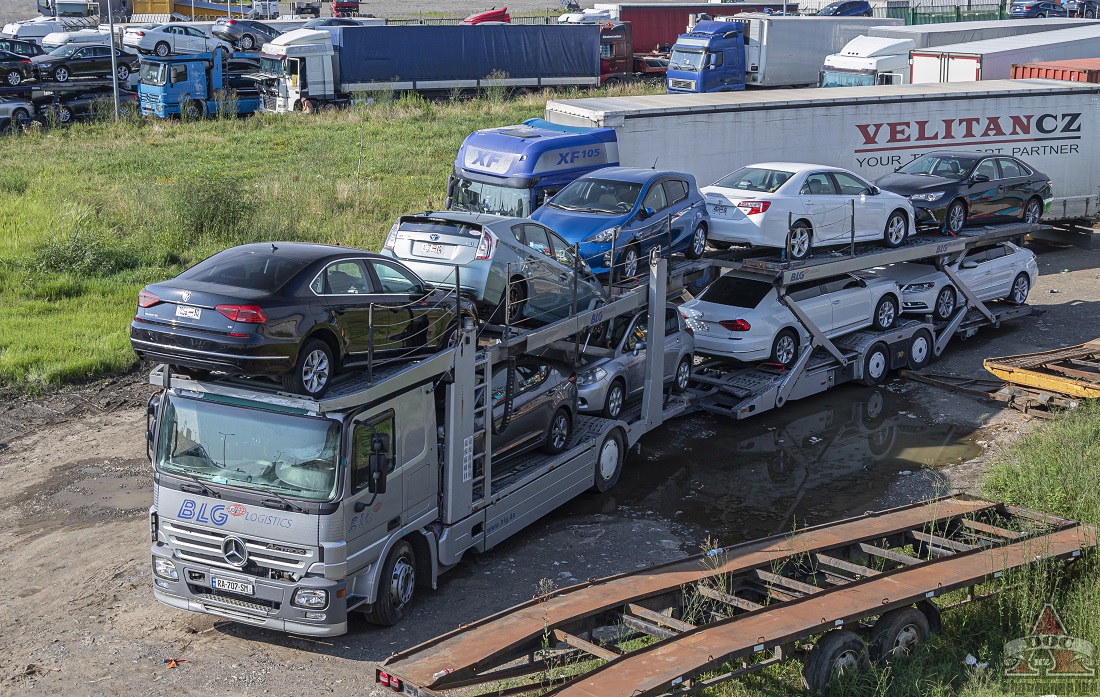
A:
(91, 213)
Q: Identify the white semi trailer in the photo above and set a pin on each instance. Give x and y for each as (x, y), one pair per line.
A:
(992, 59)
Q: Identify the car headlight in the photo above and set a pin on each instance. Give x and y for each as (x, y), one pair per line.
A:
(165, 568)
(918, 287)
(605, 235)
(930, 196)
(310, 597)
(591, 377)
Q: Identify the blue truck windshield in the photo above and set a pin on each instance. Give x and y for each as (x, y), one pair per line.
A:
(687, 60)
(482, 197)
(260, 451)
(153, 74)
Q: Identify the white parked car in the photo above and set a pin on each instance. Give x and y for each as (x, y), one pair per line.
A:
(754, 204)
(166, 39)
(84, 37)
(1001, 271)
(742, 318)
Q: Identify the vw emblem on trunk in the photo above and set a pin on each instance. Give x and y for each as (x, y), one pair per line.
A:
(433, 237)
(185, 296)
(234, 551)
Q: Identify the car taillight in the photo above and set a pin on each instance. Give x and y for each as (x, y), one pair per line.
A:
(147, 299)
(754, 207)
(27, 60)
(251, 314)
(230, 21)
(689, 330)
(139, 33)
(391, 239)
(485, 246)
(735, 325)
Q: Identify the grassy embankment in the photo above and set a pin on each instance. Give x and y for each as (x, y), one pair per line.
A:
(90, 213)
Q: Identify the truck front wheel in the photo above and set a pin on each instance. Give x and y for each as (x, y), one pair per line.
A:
(396, 586)
(193, 110)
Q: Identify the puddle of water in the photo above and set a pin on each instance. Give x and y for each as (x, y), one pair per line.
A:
(120, 493)
(816, 460)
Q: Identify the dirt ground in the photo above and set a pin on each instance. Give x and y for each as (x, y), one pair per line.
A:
(80, 617)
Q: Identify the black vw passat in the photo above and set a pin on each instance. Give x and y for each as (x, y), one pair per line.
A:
(950, 189)
(300, 311)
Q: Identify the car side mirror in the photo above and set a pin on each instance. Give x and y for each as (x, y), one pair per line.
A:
(377, 463)
(968, 265)
(639, 347)
(875, 191)
(979, 178)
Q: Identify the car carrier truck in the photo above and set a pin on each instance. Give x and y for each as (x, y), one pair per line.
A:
(197, 86)
(306, 69)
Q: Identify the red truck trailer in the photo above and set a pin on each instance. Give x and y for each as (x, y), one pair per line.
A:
(1074, 70)
(657, 26)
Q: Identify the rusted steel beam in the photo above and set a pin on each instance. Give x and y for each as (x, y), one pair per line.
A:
(941, 541)
(659, 618)
(653, 630)
(586, 646)
(726, 598)
(777, 580)
(889, 554)
(826, 560)
(992, 529)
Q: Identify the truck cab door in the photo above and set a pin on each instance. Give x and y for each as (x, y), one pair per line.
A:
(369, 517)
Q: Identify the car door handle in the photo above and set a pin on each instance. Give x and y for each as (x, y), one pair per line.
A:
(340, 309)
(837, 302)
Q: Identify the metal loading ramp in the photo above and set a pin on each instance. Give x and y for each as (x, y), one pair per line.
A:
(1073, 371)
(759, 596)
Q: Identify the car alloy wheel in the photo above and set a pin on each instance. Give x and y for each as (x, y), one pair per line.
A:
(698, 242)
(945, 303)
(630, 262)
(798, 240)
(558, 435)
(683, 373)
(64, 114)
(247, 42)
(895, 230)
(316, 371)
(785, 348)
(956, 217)
(885, 313)
(61, 74)
(614, 405)
(1032, 212)
(123, 72)
(1020, 288)
(162, 50)
(13, 78)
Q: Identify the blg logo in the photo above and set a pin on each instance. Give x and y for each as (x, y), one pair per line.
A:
(204, 513)
(798, 276)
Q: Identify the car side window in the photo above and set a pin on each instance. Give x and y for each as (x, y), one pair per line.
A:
(676, 190)
(818, 184)
(179, 73)
(638, 332)
(979, 257)
(530, 375)
(804, 291)
(346, 278)
(849, 185)
(996, 252)
(563, 251)
(102, 51)
(655, 198)
(395, 280)
(536, 239)
(83, 53)
(988, 168)
(194, 32)
(672, 322)
(1009, 168)
(362, 436)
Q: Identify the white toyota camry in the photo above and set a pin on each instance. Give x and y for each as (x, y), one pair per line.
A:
(795, 206)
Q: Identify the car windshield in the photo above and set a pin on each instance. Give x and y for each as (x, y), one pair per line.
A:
(65, 51)
(686, 60)
(597, 196)
(829, 10)
(280, 453)
(259, 271)
(483, 197)
(948, 166)
(153, 74)
(755, 179)
(735, 292)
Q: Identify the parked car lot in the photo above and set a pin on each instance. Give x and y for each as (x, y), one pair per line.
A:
(298, 311)
(165, 39)
(950, 189)
(244, 33)
(606, 384)
(70, 107)
(742, 318)
(76, 60)
(633, 210)
(1001, 271)
(496, 253)
(15, 68)
(801, 206)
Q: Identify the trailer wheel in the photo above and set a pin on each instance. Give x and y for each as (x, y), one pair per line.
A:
(920, 349)
(1033, 211)
(840, 652)
(956, 217)
(397, 585)
(897, 229)
(559, 433)
(800, 240)
(13, 78)
(945, 303)
(1021, 286)
(886, 313)
(609, 460)
(876, 365)
(897, 633)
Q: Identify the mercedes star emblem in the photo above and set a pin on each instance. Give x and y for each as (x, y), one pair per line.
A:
(234, 551)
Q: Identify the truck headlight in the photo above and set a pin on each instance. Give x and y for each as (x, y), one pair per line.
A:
(930, 196)
(605, 236)
(165, 568)
(918, 287)
(591, 377)
(312, 598)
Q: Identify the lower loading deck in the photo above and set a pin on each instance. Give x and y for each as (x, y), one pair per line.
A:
(749, 603)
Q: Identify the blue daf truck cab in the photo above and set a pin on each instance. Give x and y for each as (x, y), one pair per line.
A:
(710, 58)
(514, 169)
(195, 85)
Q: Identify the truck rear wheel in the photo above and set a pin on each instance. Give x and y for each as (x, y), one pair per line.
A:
(920, 349)
(609, 460)
(396, 586)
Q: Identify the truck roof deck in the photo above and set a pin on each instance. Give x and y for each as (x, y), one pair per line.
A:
(1021, 41)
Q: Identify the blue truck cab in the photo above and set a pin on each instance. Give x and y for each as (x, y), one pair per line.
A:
(710, 58)
(194, 85)
(514, 169)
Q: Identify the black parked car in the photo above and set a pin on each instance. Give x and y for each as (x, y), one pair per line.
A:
(300, 311)
(1089, 9)
(847, 8)
(73, 60)
(949, 189)
(66, 108)
(21, 47)
(15, 68)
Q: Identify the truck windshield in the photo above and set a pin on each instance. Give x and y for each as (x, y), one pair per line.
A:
(153, 74)
(686, 60)
(832, 78)
(271, 66)
(482, 197)
(259, 451)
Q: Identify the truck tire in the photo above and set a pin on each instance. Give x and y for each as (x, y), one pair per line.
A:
(313, 371)
(396, 586)
(876, 365)
(612, 82)
(897, 230)
(921, 348)
(559, 432)
(609, 460)
(840, 652)
(897, 633)
(162, 49)
(192, 110)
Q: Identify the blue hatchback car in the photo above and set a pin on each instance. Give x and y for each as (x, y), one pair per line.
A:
(639, 209)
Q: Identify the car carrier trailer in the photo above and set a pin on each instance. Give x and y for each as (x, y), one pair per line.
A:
(869, 586)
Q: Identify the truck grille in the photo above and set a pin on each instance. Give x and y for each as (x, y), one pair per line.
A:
(203, 545)
(257, 605)
(678, 84)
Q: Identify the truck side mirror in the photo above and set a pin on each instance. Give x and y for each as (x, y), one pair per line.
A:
(377, 463)
(151, 409)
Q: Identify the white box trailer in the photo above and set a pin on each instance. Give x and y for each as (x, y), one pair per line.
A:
(944, 33)
(1053, 125)
(992, 59)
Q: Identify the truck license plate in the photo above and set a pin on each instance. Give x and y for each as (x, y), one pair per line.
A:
(433, 249)
(223, 584)
(188, 312)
